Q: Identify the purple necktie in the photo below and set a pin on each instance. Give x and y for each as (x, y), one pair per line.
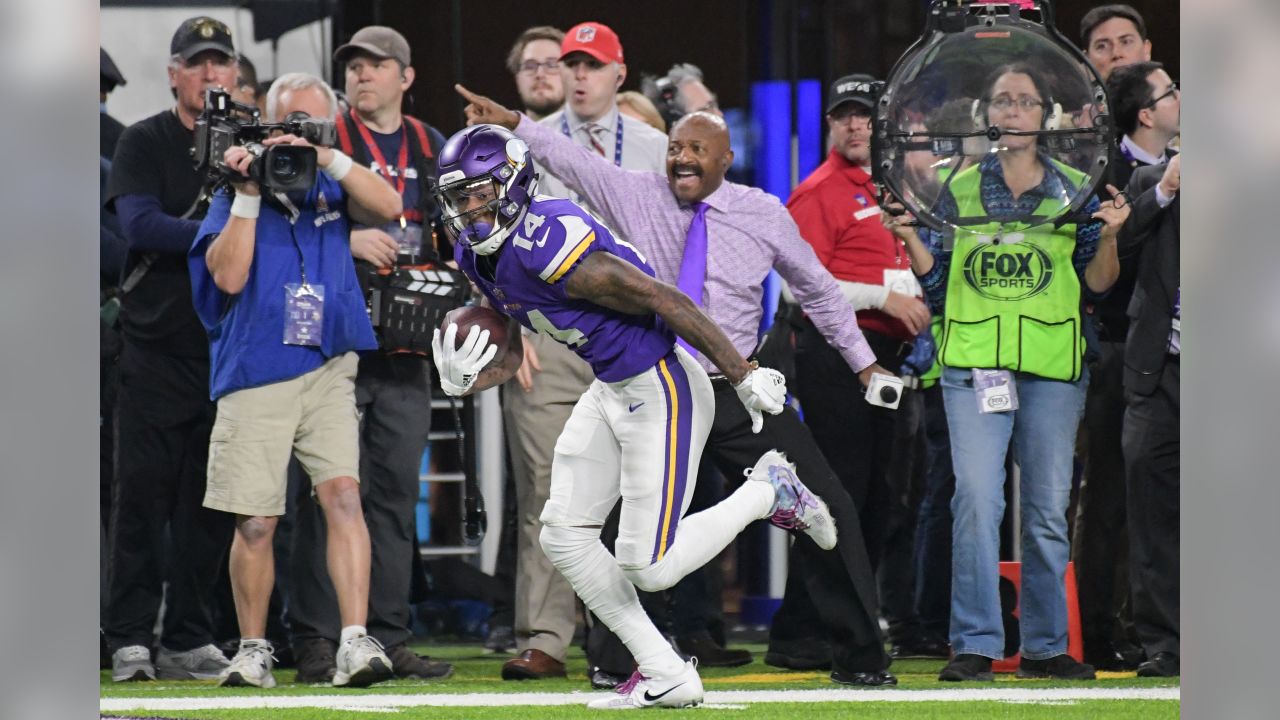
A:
(693, 266)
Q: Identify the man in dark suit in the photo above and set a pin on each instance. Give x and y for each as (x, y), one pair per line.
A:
(1146, 105)
(1151, 429)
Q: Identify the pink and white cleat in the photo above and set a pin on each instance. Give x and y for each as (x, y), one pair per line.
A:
(684, 689)
(795, 507)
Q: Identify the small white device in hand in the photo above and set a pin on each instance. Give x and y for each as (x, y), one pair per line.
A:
(885, 391)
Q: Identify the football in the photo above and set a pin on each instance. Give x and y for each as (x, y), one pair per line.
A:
(488, 319)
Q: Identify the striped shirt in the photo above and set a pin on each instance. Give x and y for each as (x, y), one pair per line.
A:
(749, 233)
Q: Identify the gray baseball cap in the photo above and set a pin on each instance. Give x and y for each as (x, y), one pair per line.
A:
(377, 40)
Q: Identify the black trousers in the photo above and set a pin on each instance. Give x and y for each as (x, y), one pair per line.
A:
(159, 530)
(933, 528)
(504, 571)
(393, 395)
(1100, 548)
(1151, 445)
(857, 440)
(856, 437)
(840, 583)
(895, 572)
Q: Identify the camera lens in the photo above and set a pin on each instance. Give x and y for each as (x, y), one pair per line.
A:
(888, 394)
(283, 166)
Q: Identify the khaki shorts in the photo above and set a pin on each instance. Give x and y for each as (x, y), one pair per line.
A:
(312, 416)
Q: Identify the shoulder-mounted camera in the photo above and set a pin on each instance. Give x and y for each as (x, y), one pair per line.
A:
(278, 168)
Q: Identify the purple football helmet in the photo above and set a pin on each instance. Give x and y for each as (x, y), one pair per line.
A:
(488, 164)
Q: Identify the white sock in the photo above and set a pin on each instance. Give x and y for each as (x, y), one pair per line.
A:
(701, 536)
(595, 576)
(246, 643)
(352, 631)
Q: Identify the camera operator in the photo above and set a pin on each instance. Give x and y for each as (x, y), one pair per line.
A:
(163, 413)
(393, 387)
(266, 267)
(680, 92)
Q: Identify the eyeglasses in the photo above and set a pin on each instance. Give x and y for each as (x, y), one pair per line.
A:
(1173, 90)
(1026, 103)
(531, 67)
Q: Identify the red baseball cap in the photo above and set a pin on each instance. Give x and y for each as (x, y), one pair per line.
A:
(595, 39)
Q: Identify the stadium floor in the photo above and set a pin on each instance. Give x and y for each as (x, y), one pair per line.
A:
(756, 690)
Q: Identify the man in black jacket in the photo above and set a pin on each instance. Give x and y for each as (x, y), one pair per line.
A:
(1146, 105)
(1151, 429)
(163, 415)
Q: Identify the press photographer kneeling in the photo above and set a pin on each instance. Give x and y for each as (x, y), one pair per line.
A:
(275, 286)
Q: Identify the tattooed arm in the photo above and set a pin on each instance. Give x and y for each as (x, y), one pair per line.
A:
(611, 282)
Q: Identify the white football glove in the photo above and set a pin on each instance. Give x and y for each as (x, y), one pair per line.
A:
(458, 367)
(763, 390)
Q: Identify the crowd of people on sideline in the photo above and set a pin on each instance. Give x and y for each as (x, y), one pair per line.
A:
(261, 443)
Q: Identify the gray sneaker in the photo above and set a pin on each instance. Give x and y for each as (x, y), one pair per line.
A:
(361, 663)
(203, 663)
(132, 662)
(251, 666)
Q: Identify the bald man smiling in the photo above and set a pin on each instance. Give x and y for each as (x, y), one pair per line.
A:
(717, 241)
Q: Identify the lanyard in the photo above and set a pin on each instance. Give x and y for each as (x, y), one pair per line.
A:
(294, 214)
(401, 163)
(302, 259)
(617, 148)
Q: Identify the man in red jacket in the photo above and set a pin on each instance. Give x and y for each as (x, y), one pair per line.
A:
(838, 213)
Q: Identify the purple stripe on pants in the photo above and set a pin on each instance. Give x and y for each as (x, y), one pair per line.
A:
(679, 398)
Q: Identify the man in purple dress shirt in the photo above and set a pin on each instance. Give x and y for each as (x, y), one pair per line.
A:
(637, 433)
(743, 233)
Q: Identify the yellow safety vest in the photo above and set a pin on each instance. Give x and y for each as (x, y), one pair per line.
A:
(1013, 298)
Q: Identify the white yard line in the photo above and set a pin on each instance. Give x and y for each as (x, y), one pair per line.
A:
(352, 702)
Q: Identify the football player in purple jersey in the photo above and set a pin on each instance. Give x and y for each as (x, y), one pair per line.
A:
(638, 432)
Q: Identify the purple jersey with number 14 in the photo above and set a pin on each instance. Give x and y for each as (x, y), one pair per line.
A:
(533, 267)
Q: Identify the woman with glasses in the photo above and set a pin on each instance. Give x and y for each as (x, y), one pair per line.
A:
(1008, 284)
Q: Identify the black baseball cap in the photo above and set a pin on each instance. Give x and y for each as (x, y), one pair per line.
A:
(110, 74)
(199, 34)
(861, 89)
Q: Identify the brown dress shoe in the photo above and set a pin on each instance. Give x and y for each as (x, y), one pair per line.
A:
(532, 665)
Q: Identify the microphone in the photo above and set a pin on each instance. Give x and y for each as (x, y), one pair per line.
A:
(888, 395)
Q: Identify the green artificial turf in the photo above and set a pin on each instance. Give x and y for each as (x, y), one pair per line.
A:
(479, 673)
(1080, 710)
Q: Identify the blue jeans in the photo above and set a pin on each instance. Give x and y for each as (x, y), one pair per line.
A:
(1043, 430)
